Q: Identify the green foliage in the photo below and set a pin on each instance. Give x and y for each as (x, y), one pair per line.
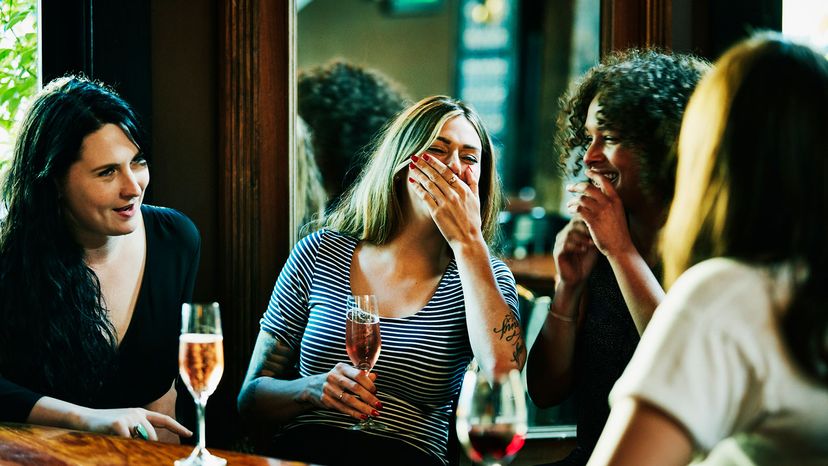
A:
(18, 65)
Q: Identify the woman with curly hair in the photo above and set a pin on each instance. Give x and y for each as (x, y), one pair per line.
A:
(91, 278)
(733, 368)
(619, 126)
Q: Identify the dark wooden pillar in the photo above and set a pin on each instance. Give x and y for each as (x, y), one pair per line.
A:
(635, 23)
(255, 128)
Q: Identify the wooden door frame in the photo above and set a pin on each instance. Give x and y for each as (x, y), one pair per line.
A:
(256, 106)
(635, 23)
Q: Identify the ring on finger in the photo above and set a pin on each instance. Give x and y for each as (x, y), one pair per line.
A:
(341, 395)
(138, 431)
(452, 180)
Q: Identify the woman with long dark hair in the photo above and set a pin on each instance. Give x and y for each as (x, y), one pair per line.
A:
(91, 280)
(734, 364)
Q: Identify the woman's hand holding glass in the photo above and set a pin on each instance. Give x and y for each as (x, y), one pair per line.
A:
(348, 390)
(453, 199)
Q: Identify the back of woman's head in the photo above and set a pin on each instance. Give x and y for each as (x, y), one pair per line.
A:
(750, 181)
(51, 306)
(372, 209)
(642, 94)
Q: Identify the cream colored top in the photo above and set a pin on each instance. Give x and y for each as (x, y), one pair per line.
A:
(714, 359)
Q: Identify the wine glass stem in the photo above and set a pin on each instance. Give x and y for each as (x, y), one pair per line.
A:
(202, 431)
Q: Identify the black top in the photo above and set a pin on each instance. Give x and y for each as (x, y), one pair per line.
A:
(147, 358)
(605, 344)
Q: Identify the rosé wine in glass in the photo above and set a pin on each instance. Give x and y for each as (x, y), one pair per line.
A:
(363, 342)
(201, 364)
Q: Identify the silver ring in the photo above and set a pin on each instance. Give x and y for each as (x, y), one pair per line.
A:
(341, 395)
(138, 431)
(453, 179)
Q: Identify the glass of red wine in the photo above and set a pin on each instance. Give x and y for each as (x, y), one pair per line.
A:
(491, 417)
(363, 342)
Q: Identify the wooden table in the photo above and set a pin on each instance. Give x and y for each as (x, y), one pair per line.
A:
(537, 273)
(25, 445)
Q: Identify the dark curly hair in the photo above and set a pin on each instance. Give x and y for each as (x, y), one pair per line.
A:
(345, 106)
(643, 94)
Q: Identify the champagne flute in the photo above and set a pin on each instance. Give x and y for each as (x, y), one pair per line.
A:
(201, 364)
(491, 417)
(363, 342)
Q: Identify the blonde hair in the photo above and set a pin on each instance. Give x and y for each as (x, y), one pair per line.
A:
(700, 200)
(310, 194)
(751, 179)
(371, 210)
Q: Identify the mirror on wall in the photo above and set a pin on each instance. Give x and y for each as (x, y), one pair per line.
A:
(510, 59)
(361, 61)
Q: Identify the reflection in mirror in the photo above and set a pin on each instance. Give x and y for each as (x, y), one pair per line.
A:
(344, 105)
(510, 59)
(310, 193)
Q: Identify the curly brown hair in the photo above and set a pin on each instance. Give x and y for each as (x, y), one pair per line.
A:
(643, 94)
(345, 106)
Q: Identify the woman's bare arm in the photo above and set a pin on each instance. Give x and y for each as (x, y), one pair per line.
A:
(639, 434)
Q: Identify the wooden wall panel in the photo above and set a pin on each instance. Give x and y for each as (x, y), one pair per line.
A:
(635, 23)
(255, 67)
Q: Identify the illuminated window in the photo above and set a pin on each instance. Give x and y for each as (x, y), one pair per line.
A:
(19, 67)
(806, 21)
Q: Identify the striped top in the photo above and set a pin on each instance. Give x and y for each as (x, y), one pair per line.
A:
(423, 356)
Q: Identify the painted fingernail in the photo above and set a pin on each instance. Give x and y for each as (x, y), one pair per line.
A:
(412, 166)
(375, 413)
(378, 405)
(363, 416)
(426, 157)
(411, 180)
(415, 158)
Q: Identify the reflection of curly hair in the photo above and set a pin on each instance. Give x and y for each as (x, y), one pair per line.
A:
(345, 106)
(642, 94)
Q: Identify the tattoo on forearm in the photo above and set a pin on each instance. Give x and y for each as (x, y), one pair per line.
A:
(510, 331)
(518, 352)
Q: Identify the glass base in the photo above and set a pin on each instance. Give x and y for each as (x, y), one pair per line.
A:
(371, 424)
(201, 458)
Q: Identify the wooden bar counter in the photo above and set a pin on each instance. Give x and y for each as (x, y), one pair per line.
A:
(30, 445)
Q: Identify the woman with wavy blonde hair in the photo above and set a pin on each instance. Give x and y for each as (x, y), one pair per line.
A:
(414, 231)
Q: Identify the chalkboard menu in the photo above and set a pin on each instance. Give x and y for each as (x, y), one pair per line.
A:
(486, 61)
